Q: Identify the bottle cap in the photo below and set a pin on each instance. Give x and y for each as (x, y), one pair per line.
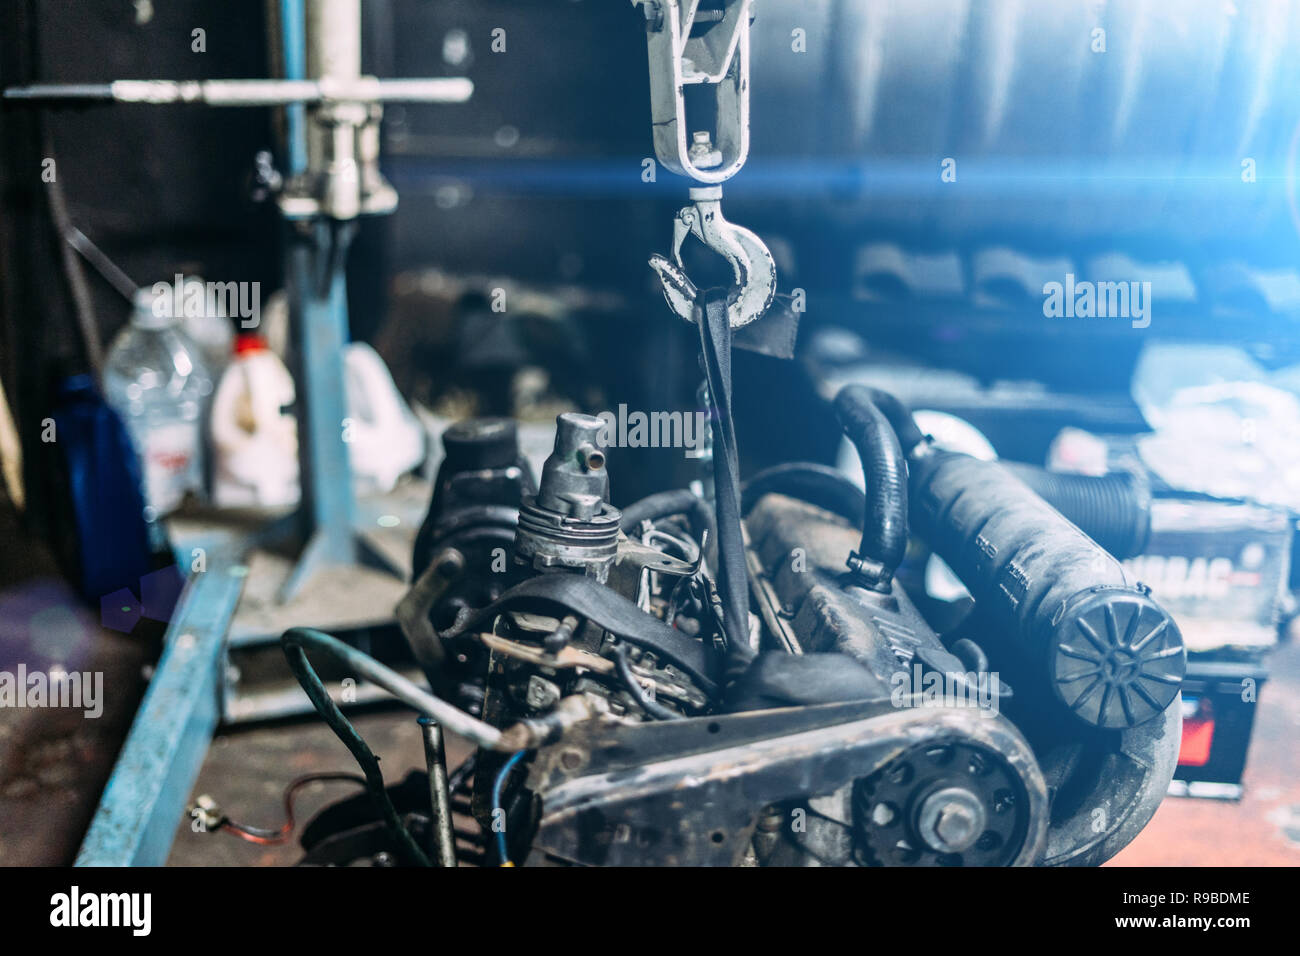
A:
(247, 342)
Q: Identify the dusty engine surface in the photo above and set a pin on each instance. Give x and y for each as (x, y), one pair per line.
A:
(843, 727)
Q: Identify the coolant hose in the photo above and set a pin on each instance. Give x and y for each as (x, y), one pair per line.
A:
(884, 527)
(899, 415)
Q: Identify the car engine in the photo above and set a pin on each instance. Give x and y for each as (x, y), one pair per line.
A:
(623, 721)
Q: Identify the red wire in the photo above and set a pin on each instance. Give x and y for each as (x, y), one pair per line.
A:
(276, 837)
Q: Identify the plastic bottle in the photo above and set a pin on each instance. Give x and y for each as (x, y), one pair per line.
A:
(254, 434)
(210, 328)
(156, 380)
(385, 440)
(101, 534)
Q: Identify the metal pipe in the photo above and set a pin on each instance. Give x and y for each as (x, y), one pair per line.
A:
(294, 48)
(254, 92)
(435, 757)
(334, 39)
(105, 266)
(295, 642)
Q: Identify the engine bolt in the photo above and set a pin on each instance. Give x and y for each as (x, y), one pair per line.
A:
(950, 820)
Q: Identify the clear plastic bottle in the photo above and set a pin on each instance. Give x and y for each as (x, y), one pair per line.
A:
(157, 381)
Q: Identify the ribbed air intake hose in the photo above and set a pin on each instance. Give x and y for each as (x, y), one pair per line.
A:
(1114, 510)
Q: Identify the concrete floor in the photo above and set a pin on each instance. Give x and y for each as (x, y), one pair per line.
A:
(246, 773)
(54, 761)
(1263, 829)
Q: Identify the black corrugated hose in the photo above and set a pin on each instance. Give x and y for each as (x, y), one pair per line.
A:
(1114, 510)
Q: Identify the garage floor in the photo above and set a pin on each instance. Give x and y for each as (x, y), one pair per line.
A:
(246, 773)
(1263, 829)
(55, 761)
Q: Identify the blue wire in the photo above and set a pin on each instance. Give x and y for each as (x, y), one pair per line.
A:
(497, 786)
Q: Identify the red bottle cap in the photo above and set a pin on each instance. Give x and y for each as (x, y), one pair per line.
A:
(247, 342)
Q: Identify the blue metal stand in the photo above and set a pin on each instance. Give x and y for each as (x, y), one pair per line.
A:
(319, 316)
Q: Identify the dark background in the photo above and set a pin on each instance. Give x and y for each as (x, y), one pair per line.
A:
(1061, 151)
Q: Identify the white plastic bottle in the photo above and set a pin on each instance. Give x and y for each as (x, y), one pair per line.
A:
(385, 439)
(156, 380)
(254, 433)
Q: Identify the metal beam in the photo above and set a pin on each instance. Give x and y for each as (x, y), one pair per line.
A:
(147, 792)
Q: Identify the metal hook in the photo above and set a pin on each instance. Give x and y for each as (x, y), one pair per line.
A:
(751, 262)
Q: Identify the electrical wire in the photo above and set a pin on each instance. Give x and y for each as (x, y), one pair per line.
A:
(292, 641)
(265, 837)
(497, 786)
(633, 686)
(451, 718)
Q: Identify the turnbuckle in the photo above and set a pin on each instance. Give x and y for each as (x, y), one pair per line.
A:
(751, 262)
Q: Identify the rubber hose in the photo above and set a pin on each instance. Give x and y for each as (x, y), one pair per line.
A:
(679, 501)
(294, 642)
(897, 412)
(884, 526)
(297, 640)
(816, 484)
